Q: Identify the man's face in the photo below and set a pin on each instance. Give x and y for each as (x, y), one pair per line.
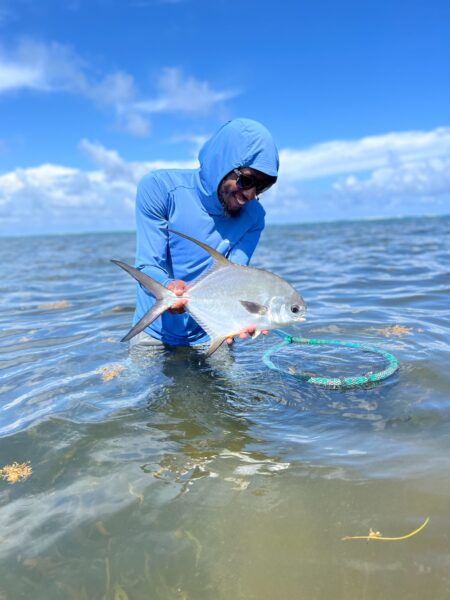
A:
(231, 196)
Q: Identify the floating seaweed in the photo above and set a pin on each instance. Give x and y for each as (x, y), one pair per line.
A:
(133, 492)
(120, 593)
(110, 372)
(16, 472)
(376, 535)
(393, 330)
(55, 305)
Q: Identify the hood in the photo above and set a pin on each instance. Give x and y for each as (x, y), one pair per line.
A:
(238, 143)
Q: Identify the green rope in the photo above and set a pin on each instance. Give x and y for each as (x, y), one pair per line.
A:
(333, 382)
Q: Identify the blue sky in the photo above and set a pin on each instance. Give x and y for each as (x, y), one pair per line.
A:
(93, 94)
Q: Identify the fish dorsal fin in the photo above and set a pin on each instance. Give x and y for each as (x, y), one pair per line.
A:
(219, 260)
(254, 307)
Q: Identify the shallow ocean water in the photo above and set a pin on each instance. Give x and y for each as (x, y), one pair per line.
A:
(169, 477)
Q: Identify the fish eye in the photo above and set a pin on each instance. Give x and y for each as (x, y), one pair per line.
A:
(295, 308)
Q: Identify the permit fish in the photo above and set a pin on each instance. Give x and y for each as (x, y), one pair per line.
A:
(225, 299)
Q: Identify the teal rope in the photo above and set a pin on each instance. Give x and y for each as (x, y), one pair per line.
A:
(333, 382)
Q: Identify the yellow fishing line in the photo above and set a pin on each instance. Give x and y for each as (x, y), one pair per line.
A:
(376, 535)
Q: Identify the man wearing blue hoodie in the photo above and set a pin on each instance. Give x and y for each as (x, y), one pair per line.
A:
(216, 204)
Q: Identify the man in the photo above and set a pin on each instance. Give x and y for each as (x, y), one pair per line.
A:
(216, 204)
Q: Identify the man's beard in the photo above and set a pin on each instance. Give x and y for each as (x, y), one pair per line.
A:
(226, 212)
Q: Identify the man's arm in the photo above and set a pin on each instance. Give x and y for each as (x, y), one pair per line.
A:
(151, 230)
(242, 252)
(152, 237)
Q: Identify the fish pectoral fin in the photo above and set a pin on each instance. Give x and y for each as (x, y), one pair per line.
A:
(218, 341)
(254, 308)
(215, 344)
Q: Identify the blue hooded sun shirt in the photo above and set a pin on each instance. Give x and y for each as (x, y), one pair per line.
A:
(186, 200)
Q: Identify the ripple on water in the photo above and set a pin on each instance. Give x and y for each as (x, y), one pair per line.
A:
(204, 479)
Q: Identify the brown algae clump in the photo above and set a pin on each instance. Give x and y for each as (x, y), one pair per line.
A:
(110, 372)
(55, 305)
(16, 472)
(393, 330)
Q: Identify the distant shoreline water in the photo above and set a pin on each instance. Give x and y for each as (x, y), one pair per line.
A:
(405, 218)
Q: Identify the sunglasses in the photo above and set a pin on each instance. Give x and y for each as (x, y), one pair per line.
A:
(246, 182)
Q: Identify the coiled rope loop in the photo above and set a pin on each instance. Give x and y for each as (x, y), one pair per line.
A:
(332, 382)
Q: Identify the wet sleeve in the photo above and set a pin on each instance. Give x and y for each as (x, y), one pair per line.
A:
(151, 230)
(243, 250)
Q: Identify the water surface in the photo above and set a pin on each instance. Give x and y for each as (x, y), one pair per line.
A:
(170, 477)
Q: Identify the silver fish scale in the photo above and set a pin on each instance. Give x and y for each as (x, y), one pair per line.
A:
(215, 299)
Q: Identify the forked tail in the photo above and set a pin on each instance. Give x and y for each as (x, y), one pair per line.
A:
(164, 298)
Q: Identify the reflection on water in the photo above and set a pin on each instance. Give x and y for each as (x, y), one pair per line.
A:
(178, 477)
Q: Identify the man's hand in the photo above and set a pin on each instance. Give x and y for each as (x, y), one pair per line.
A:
(178, 287)
(250, 330)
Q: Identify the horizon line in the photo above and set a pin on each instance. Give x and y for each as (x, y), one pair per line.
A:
(281, 224)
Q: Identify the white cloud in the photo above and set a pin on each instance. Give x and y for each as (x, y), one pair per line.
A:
(115, 89)
(179, 93)
(57, 198)
(375, 152)
(134, 123)
(109, 161)
(118, 91)
(13, 76)
(42, 67)
(55, 68)
(60, 198)
(390, 174)
(196, 142)
(285, 202)
(422, 178)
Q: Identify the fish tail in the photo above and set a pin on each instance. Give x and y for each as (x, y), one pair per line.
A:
(156, 289)
(157, 309)
(164, 298)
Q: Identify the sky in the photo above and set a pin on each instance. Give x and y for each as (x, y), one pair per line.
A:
(96, 93)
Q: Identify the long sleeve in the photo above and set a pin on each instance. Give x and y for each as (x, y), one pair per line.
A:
(151, 230)
(242, 252)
